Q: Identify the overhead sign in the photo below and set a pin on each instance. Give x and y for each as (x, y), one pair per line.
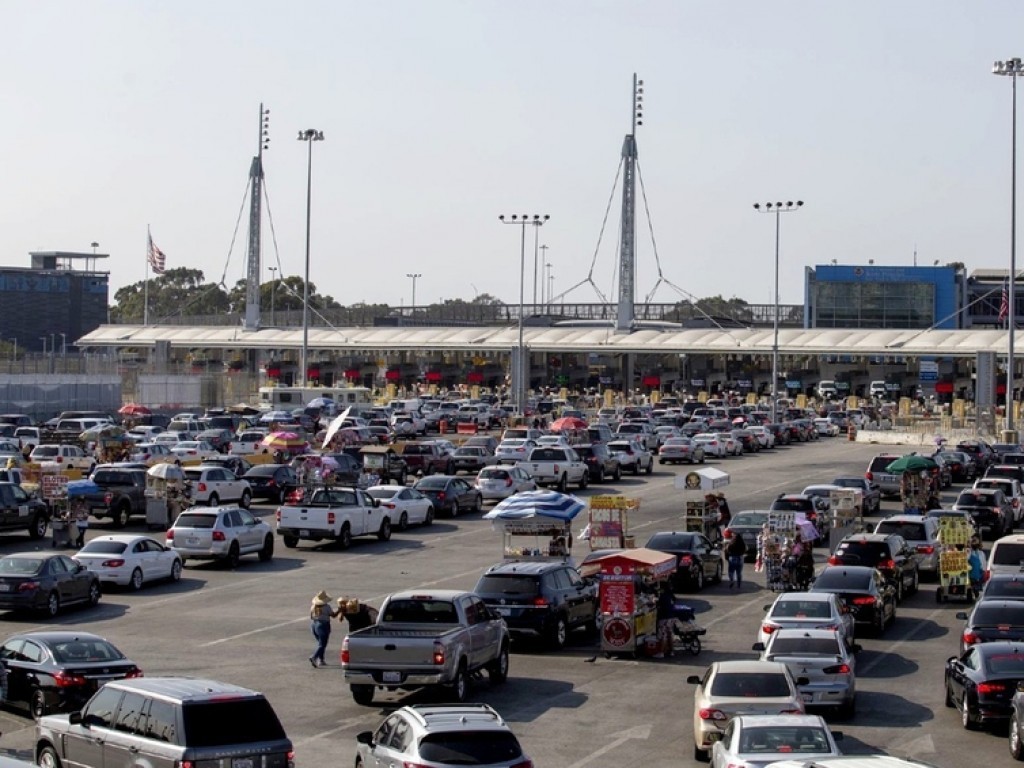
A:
(928, 370)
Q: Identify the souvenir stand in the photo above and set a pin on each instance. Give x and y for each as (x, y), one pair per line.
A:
(60, 494)
(918, 493)
(629, 585)
(954, 572)
(165, 495)
(609, 522)
(777, 535)
(846, 508)
(536, 525)
(701, 514)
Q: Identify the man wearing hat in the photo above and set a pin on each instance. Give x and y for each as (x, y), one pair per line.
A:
(359, 614)
(320, 615)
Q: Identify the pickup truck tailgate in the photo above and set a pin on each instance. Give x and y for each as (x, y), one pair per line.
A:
(379, 649)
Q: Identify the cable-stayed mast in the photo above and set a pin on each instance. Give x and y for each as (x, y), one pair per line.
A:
(627, 243)
(252, 272)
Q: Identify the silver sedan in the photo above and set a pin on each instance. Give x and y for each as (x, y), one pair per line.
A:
(496, 483)
(825, 666)
(754, 741)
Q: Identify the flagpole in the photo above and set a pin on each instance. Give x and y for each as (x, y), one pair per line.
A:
(145, 295)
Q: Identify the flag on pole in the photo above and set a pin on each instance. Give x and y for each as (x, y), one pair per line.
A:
(157, 260)
(1004, 305)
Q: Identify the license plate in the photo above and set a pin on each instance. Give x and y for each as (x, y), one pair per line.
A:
(192, 540)
(714, 736)
(241, 762)
(304, 532)
(504, 611)
(807, 697)
(392, 677)
(5, 587)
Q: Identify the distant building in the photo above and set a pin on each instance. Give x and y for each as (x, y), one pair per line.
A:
(858, 296)
(61, 293)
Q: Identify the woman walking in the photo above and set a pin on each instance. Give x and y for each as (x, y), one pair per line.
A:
(320, 615)
(735, 551)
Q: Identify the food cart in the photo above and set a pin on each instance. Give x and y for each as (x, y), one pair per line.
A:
(846, 512)
(166, 495)
(536, 525)
(609, 522)
(64, 498)
(954, 572)
(701, 510)
(628, 593)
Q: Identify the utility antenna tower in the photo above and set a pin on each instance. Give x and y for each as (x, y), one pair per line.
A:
(627, 245)
(252, 272)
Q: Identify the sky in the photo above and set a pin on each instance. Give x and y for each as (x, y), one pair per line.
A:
(439, 116)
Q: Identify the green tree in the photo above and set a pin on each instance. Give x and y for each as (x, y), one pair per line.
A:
(180, 291)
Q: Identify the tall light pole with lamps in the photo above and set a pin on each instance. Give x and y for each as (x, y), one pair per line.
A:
(519, 380)
(778, 209)
(1011, 68)
(414, 276)
(543, 264)
(273, 293)
(309, 136)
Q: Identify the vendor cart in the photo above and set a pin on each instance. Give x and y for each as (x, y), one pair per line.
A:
(701, 513)
(609, 522)
(628, 593)
(773, 543)
(954, 572)
(166, 495)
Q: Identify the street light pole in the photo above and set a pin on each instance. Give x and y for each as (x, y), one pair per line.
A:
(543, 264)
(273, 293)
(1011, 68)
(309, 136)
(519, 382)
(415, 276)
(778, 209)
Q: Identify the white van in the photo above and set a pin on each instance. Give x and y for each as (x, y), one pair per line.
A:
(1007, 555)
(877, 389)
(827, 389)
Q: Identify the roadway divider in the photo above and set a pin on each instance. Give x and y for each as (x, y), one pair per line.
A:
(467, 428)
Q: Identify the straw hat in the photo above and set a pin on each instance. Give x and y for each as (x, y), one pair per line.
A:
(719, 495)
(322, 598)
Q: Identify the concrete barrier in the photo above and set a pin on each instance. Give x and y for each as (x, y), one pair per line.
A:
(467, 428)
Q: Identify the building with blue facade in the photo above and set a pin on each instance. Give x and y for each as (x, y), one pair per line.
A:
(849, 296)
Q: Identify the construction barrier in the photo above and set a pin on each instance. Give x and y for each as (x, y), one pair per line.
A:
(467, 428)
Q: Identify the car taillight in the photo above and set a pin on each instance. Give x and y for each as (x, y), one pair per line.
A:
(170, 534)
(107, 498)
(828, 627)
(202, 487)
(992, 688)
(727, 534)
(438, 655)
(330, 518)
(834, 560)
(440, 496)
(791, 712)
(28, 586)
(685, 560)
(768, 628)
(277, 515)
(541, 602)
(925, 549)
(508, 482)
(344, 651)
(887, 565)
(65, 679)
(707, 713)
(864, 600)
(218, 536)
(523, 764)
(117, 563)
(837, 669)
(869, 476)
(970, 638)
(135, 672)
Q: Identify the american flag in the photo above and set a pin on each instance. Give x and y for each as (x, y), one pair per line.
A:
(1004, 304)
(157, 260)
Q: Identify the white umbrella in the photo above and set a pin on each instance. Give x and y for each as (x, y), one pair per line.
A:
(166, 472)
(335, 425)
(560, 506)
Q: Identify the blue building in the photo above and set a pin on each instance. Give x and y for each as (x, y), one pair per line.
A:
(848, 296)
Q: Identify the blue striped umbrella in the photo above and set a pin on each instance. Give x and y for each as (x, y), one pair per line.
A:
(560, 506)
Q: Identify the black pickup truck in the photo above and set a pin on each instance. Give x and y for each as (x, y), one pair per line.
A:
(122, 494)
(21, 512)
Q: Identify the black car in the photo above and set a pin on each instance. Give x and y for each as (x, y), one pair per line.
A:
(748, 524)
(781, 433)
(887, 552)
(59, 671)
(471, 459)
(992, 620)
(866, 592)
(981, 452)
(982, 682)
(45, 582)
(217, 437)
(349, 468)
(813, 508)
(989, 509)
(450, 494)
(601, 462)
(1003, 586)
(697, 559)
(962, 465)
(271, 481)
(545, 599)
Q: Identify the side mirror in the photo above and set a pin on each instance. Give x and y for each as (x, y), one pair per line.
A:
(75, 718)
(81, 567)
(961, 615)
(765, 607)
(365, 737)
(693, 680)
(757, 647)
(855, 648)
(837, 735)
(802, 681)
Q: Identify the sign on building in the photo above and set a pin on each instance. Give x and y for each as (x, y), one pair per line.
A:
(985, 385)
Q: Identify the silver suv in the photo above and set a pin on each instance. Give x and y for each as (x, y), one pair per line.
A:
(436, 736)
(165, 722)
(220, 533)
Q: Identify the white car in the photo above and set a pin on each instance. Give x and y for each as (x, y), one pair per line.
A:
(502, 482)
(129, 560)
(247, 442)
(211, 485)
(733, 447)
(170, 439)
(807, 610)
(194, 450)
(552, 441)
(29, 437)
(511, 451)
(764, 435)
(403, 425)
(152, 453)
(143, 434)
(407, 505)
(826, 427)
(712, 444)
(756, 740)
(633, 456)
(62, 456)
(220, 533)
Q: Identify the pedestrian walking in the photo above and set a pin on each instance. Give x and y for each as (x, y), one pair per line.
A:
(735, 551)
(81, 515)
(320, 615)
(358, 614)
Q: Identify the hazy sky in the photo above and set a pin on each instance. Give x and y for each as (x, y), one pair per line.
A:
(440, 115)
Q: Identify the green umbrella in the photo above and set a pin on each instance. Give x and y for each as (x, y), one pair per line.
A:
(911, 463)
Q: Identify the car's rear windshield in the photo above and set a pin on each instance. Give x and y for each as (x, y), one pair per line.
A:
(805, 646)
(792, 505)
(842, 580)
(84, 649)
(1007, 553)
(420, 611)
(432, 484)
(470, 748)
(507, 585)
(230, 721)
(1005, 589)
(976, 499)
(46, 450)
(800, 609)
(908, 530)
(382, 493)
(1002, 613)
(750, 684)
(415, 450)
(862, 552)
(111, 478)
(774, 739)
(1005, 665)
(671, 541)
(101, 547)
(186, 520)
(749, 518)
(262, 470)
(879, 463)
(20, 565)
(493, 474)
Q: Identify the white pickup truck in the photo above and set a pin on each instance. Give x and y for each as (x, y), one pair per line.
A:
(557, 466)
(63, 456)
(333, 514)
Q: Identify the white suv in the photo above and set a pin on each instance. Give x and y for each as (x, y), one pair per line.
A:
(211, 485)
(220, 533)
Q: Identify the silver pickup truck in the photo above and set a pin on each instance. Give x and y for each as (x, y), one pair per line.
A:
(426, 638)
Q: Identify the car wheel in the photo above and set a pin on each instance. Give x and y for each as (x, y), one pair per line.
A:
(37, 705)
(48, 758)
(213, 500)
(966, 719)
(879, 623)
(94, 593)
(563, 484)
(650, 467)
(848, 709)
(362, 694)
(290, 541)
(246, 499)
(121, 514)
(384, 534)
(282, 495)
(584, 481)
(718, 574)
(636, 467)
(345, 537)
(498, 671)
(176, 571)
(558, 632)
(429, 517)
(455, 509)
(618, 474)
(698, 581)
(460, 685)
(600, 475)
(52, 606)
(478, 503)
(701, 755)
(1014, 740)
(38, 528)
(403, 521)
(136, 580)
(266, 553)
(948, 701)
(916, 583)
(234, 555)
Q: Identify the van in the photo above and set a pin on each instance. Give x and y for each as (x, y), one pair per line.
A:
(877, 389)
(827, 389)
(167, 721)
(1007, 555)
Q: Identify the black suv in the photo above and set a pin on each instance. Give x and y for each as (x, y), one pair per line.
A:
(889, 553)
(981, 451)
(546, 599)
(601, 462)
